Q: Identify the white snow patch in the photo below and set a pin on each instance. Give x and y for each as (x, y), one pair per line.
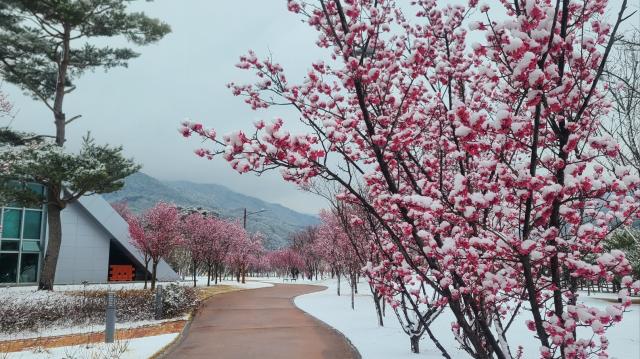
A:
(374, 342)
(133, 349)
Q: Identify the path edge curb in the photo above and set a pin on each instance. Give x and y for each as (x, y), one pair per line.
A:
(325, 324)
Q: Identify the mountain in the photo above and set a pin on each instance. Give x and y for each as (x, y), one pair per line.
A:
(276, 222)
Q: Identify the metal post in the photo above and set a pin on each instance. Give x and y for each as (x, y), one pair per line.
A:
(110, 330)
(158, 304)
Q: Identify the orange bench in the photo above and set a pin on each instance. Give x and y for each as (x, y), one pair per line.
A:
(121, 273)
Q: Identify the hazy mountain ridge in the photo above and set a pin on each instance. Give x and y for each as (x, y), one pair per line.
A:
(142, 191)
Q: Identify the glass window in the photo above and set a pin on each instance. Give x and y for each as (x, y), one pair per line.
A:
(30, 246)
(29, 267)
(11, 223)
(9, 245)
(32, 224)
(8, 267)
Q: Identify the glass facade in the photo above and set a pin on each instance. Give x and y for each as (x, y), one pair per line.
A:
(21, 241)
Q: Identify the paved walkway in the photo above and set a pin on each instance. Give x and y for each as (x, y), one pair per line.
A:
(261, 323)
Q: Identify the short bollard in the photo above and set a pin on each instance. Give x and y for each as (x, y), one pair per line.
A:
(159, 294)
(110, 330)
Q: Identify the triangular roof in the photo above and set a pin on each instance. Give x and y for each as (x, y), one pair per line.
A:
(117, 227)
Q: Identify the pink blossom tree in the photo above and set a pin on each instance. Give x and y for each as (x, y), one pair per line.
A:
(244, 251)
(304, 243)
(155, 233)
(197, 238)
(222, 233)
(286, 262)
(480, 160)
(122, 208)
(340, 251)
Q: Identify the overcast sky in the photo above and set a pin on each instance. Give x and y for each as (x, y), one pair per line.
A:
(185, 75)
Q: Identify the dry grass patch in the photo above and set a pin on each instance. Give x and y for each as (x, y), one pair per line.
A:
(93, 337)
(205, 293)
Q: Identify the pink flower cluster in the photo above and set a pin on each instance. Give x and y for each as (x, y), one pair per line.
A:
(477, 163)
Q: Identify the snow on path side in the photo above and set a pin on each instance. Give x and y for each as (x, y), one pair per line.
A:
(360, 325)
(373, 342)
(135, 349)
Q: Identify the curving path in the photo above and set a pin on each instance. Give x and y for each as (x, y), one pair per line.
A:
(260, 323)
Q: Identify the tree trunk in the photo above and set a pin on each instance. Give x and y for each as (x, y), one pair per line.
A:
(63, 65)
(355, 280)
(384, 307)
(376, 302)
(194, 274)
(338, 274)
(48, 274)
(243, 271)
(209, 267)
(154, 273)
(415, 344)
(435, 341)
(215, 272)
(353, 291)
(146, 270)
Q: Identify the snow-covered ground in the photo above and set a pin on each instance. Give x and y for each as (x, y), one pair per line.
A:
(201, 282)
(135, 348)
(373, 342)
(129, 349)
(30, 293)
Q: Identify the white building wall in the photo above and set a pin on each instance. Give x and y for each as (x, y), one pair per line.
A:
(84, 253)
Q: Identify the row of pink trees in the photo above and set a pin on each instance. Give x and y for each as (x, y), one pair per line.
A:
(245, 254)
(480, 160)
(286, 262)
(211, 243)
(305, 243)
(353, 244)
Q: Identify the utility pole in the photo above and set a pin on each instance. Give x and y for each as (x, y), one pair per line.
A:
(247, 214)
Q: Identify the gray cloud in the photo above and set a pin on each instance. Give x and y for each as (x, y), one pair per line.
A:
(185, 75)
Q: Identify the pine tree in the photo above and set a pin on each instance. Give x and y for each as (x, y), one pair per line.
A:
(44, 46)
(67, 176)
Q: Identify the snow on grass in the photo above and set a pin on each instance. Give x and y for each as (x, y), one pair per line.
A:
(128, 349)
(82, 329)
(29, 296)
(373, 342)
(251, 282)
(135, 348)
